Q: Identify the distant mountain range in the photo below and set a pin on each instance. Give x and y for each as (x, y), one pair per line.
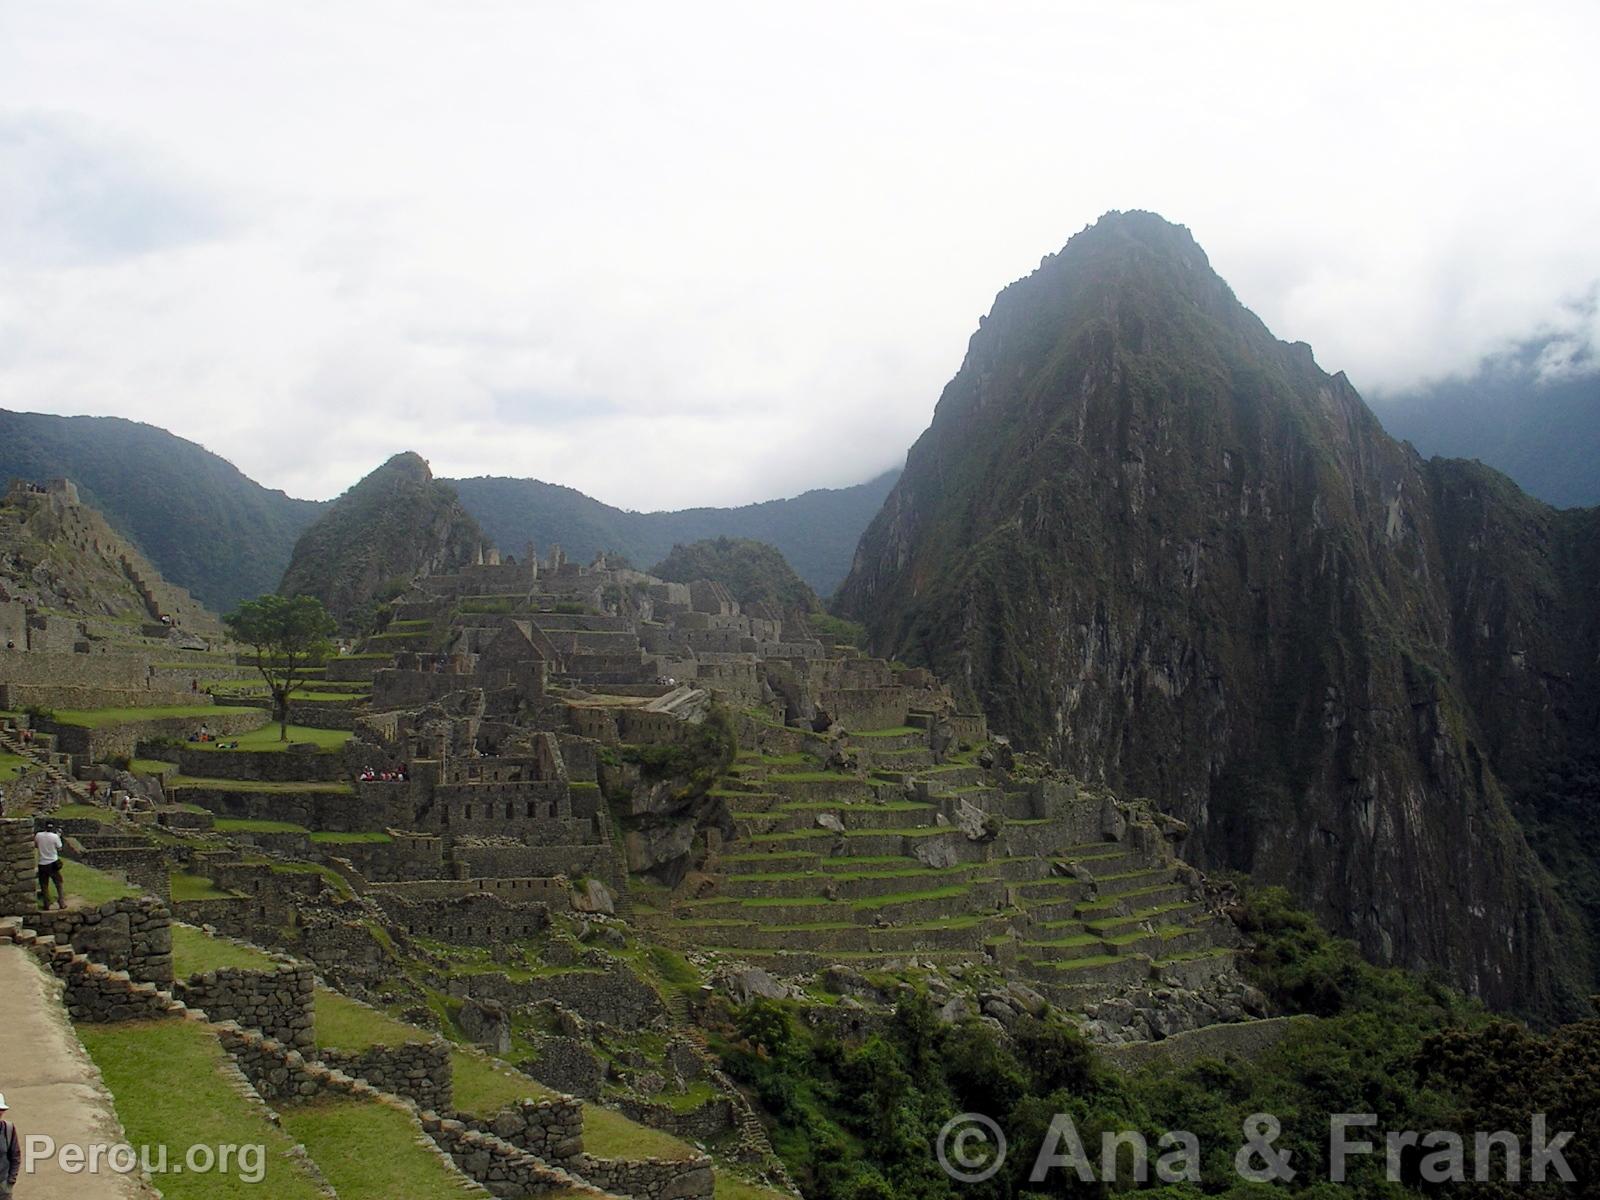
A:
(816, 531)
(1544, 433)
(205, 525)
(210, 528)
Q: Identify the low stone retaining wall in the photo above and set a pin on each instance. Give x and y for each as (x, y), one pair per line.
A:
(419, 1071)
(549, 1129)
(92, 991)
(652, 1178)
(1248, 1040)
(711, 1120)
(19, 880)
(272, 766)
(278, 1003)
(132, 935)
(110, 741)
(280, 1073)
(71, 697)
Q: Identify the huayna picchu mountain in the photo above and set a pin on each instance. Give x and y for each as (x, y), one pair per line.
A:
(1169, 550)
(396, 524)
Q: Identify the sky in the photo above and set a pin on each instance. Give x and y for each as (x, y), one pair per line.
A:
(697, 253)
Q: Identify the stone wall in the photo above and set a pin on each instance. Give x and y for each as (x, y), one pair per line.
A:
(110, 741)
(19, 880)
(651, 1178)
(70, 696)
(1248, 1040)
(279, 1003)
(613, 994)
(132, 935)
(419, 1071)
(548, 1129)
(475, 919)
(276, 766)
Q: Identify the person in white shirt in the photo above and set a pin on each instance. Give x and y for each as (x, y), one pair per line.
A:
(48, 842)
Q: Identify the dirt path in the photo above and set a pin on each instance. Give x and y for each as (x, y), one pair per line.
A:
(52, 1087)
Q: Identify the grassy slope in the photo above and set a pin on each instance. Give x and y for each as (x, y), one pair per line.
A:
(165, 1077)
(370, 1151)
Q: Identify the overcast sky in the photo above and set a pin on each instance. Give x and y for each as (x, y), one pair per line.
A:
(692, 253)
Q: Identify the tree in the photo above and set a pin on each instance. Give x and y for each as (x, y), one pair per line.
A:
(288, 636)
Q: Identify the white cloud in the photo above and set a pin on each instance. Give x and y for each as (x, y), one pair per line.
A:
(710, 253)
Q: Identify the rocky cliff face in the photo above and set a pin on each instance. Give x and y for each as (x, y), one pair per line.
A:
(397, 523)
(1169, 550)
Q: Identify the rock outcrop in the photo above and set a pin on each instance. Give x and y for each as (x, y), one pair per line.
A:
(396, 524)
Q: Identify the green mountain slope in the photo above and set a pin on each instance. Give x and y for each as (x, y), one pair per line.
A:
(397, 523)
(1165, 547)
(753, 571)
(816, 531)
(206, 526)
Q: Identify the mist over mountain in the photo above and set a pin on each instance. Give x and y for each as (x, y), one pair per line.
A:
(1154, 541)
(1543, 430)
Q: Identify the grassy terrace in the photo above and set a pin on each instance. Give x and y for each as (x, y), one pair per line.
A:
(195, 951)
(484, 1085)
(100, 718)
(343, 1024)
(166, 1080)
(329, 838)
(197, 887)
(370, 1151)
(93, 887)
(12, 765)
(85, 812)
(266, 738)
(244, 825)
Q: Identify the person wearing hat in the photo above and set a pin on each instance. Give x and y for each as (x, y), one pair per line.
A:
(10, 1150)
(48, 843)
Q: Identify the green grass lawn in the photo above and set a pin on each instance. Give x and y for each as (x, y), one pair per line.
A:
(342, 1024)
(731, 1187)
(329, 838)
(609, 1134)
(12, 765)
(197, 887)
(152, 766)
(97, 718)
(483, 1085)
(84, 812)
(92, 886)
(369, 1151)
(246, 825)
(194, 950)
(166, 1080)
(266, 738)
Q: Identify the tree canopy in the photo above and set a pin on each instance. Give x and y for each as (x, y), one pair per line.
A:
(288, 637)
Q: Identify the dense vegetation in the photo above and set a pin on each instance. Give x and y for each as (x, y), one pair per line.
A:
(203, 524)
(816, 531)
(753, 571)
(859, 1120)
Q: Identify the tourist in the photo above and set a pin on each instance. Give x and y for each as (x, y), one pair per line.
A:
(11, 1151)
(48, 844)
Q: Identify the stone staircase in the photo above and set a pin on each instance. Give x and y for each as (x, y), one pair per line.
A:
(42, 753)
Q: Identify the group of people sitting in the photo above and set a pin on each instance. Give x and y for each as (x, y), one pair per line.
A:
(395, 775)
(205, 735)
